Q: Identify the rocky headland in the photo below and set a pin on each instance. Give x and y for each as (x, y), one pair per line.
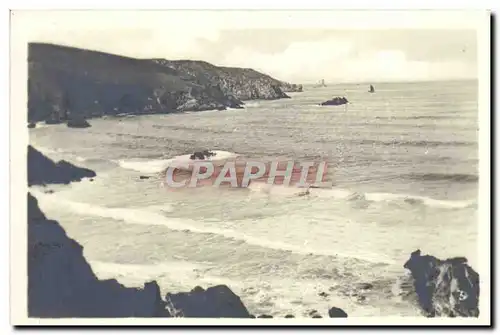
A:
(71, 84)
(243, 84)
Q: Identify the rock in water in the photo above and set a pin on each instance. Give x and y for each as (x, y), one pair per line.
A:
(337, 101)
(214, 302)
(335, 312)
(77, 122)
(31, 125)
(444, 288)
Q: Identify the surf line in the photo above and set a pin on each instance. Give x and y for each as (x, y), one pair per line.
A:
(240, 174)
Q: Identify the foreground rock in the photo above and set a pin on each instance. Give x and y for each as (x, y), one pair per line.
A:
(337, 101)
(61, 282)
(66, 82)
(444, 287)
(42, 170)
(214, 302)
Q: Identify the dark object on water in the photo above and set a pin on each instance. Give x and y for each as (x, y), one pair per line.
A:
(323, 294)
(265, 316)
(48, 191)
(289, 316)
(372, 90)
(78, 122)
(31, 125)
(202, 154)
(444, 288)
(335, 312)
(91, 179)
(337, 101)
(144, 177)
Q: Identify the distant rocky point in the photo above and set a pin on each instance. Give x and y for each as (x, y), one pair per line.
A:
(66, 83)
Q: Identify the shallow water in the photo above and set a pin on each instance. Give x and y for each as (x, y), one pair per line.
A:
(404, 166)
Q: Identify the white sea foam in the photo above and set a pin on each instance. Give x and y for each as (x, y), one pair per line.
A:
(151, 217)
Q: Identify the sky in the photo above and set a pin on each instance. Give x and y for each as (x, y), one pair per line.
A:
(294, 52)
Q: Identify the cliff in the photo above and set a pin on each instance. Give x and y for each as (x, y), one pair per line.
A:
(244, 84)
(68, 84)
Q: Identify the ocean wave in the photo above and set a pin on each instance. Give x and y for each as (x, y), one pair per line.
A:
(457, 177)
(158, 165)
(424, 144)
(149, 217)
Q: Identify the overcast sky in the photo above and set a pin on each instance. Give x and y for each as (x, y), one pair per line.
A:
(302, 55)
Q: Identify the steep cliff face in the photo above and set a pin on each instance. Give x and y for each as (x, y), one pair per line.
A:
(66, 82)
(244, 84)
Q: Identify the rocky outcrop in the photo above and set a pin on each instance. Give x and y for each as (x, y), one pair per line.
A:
(337, 101)
(287, 87)
(202, 154)
(335, 312)
(61, 282)
(444, 287)
(31, 125)
(65, 81)
(214, 302)
(42, 170)
(243, 84)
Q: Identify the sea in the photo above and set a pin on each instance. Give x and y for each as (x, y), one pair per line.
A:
(404, 167)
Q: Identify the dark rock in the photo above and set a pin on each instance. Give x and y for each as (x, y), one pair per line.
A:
(337, 101)
(31, 125)
(287, 87)
(265, 316)
(48, 191)
(61, 283)
(78, 122)
(144, 177)
(316, 316)
(214, 302)
(91, 179)
(323, 294)
(202, 155)
(289, 316)
(242, 84)
(42, 170)
(335, 312)
(444, 288)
